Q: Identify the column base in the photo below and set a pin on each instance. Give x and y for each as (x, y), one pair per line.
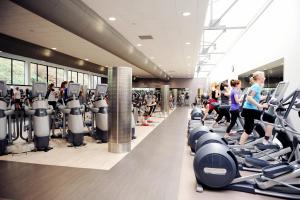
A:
(119, 148)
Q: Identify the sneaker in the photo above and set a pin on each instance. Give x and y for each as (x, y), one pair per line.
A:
(267, 142)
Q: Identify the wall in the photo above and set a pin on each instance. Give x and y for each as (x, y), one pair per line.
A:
(275, 35)
(193, 84)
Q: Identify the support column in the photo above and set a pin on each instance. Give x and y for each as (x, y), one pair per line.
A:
(119, 110)
(175, 94)
(165, 100)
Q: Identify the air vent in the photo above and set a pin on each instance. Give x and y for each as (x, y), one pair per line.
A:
(146, 37)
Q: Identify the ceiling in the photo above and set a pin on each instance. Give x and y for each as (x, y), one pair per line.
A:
(161, 19)
(18, 22)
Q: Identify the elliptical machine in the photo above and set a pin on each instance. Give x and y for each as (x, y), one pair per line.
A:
(99, 114)
(73, 110)
(39, 115)
(5, 111)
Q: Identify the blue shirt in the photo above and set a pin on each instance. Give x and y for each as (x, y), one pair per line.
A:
(234, 105)
(257, 89)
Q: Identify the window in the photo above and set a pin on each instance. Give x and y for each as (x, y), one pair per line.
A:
(95, 82)
(33, 73)
(80, 78)
(99, 80)
(60, 77)
(69, 75)
(104, 80)
(74, 77)
(52, 75)
(42, 73)
(18, 69)
(86, 80)
(5, 69)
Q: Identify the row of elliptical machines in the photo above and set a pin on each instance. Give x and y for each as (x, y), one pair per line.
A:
(217, 167)
(38, 129)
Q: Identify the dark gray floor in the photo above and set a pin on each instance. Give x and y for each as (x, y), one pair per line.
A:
(150, 172)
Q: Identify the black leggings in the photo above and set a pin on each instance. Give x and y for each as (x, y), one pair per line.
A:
(223, 112)
(250, 115)
(211, 110)
(234, 115)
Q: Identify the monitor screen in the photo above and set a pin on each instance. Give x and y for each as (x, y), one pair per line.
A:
(73, 89)
(280, 90)
(39, 88)
(101, 89)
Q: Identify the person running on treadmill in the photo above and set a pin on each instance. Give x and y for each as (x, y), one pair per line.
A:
(17, 98)
(235, 99)
(223, 108)
(252, 110)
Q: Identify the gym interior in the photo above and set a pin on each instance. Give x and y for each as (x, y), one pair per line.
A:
(149, 99)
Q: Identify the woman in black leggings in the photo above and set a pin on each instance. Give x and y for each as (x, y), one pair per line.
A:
(235, 105)
(224, 107)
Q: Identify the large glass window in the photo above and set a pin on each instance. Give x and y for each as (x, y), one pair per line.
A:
(60, 76)
(5, 69)
(80, 78)
(33, 73)
(52, 75)
(42, 73)
(69, 75)
(18, 72)
(99, 80)
(95, 82)
(86, 80)
(74, 77)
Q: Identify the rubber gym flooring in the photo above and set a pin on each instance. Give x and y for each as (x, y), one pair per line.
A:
(150, 172)
(159, 168)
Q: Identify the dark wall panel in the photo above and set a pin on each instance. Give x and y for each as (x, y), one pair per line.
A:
(22, 48)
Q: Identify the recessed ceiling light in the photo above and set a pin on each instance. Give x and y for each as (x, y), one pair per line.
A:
(188, 57)
(112, 19)
(187, 43)
(185, 14)
(139, 45)
(54, 48)
(86, 59)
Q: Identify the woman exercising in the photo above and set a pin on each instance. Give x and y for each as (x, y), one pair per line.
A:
(223, 108)
(235, 105)
(214, 99)
(252, 109)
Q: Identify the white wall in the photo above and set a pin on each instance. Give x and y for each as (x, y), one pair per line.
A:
(275, 35)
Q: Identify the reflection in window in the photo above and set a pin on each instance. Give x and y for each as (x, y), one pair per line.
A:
(42, 73)
(52, 75)
(18, 72)
(80, 78)
(5, 69)
(33, 73)
(74, 77)
(86, 80)
(60, 76)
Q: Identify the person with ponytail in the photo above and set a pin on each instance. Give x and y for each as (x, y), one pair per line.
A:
(235, 99)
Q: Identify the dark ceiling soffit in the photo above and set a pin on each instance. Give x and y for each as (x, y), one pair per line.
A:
(75, 16)
(22, 48)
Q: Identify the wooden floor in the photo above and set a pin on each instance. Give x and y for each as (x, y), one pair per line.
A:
(150, 172)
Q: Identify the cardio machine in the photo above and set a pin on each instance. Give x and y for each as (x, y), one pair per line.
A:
(39, 115)
(73, 111)
(99, 114)
(5, 113)
(216, 167)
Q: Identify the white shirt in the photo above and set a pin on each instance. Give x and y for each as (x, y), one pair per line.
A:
(17, 94)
